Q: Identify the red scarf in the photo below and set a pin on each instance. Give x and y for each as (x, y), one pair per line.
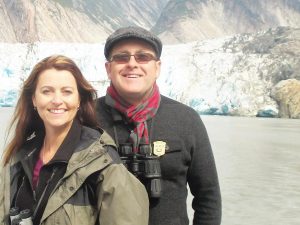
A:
(136, 114)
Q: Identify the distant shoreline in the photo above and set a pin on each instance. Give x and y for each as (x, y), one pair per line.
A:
(201, 114)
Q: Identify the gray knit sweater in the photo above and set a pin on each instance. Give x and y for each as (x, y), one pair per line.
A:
(188, 159)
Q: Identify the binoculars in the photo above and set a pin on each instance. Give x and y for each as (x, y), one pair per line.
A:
(144, 165)
(20, 218)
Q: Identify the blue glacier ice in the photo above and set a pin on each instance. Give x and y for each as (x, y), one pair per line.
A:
(200, 74)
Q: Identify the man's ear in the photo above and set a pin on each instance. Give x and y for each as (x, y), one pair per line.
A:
(108, 69)
(158, 66)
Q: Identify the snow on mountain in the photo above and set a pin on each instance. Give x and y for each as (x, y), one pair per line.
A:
(210, 81)
(17, 60)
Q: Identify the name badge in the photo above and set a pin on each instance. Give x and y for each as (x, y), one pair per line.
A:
(159, 148)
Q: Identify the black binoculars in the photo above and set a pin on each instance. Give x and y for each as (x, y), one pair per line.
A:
(20, 218)
(144, 165)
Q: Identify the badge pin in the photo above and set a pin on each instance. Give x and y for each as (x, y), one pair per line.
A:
(159, 148)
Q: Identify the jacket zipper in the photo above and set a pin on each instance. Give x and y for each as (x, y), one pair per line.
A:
(44, 191)
(18, 192)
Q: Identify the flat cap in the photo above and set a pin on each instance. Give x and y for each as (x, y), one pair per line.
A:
(133, 32)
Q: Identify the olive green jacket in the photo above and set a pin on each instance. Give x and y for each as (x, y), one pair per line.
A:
(122, 199)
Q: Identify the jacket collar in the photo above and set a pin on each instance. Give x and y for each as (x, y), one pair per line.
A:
(65, 150)
(29, 153)
(70, 142)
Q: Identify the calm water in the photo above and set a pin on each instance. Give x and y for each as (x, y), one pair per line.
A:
(258, 162)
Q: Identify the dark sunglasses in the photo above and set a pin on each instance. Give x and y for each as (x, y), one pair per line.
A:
(141, 57)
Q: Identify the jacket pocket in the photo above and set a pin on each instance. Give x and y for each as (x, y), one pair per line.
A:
(171, 162)
(80, 214)
(172, 146)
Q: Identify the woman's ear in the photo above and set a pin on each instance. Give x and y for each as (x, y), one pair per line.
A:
(33, 101)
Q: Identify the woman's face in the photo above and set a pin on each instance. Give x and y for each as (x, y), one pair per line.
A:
(56, 98)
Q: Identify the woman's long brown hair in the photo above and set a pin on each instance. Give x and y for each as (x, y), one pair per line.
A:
(26, 120)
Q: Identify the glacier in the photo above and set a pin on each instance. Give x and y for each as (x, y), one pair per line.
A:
(203, 74)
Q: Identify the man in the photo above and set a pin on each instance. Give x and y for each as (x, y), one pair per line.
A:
(163, 142)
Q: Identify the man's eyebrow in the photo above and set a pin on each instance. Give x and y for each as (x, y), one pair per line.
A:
(122, 51)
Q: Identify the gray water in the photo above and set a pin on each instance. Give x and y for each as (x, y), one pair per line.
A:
(258, 162)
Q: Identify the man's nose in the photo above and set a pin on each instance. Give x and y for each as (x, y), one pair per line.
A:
(132, 61)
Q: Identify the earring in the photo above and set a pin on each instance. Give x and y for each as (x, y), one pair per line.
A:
(34, 108)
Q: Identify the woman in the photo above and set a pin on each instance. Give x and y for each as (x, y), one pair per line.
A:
(58, 165)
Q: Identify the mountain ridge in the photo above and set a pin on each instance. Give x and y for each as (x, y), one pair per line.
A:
(174, 21)
(186, 21)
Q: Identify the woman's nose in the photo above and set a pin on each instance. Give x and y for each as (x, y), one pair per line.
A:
(56, 99)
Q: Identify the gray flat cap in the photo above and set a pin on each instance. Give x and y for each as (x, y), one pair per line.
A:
(133, 33)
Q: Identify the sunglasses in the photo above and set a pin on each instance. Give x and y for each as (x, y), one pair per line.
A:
(141, 58)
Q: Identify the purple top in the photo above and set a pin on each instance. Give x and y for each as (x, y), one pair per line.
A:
(36, 172)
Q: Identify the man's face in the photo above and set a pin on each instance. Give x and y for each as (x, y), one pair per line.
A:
(133, 80)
